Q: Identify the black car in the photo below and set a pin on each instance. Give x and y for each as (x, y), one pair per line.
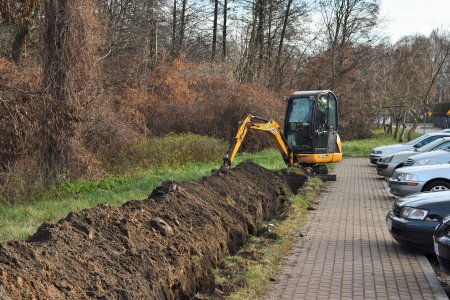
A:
(442, 244)
(414, 218)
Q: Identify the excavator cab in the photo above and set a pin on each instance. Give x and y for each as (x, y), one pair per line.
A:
(311, 125)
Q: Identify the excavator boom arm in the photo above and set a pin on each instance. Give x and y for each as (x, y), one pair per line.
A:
(263, 124)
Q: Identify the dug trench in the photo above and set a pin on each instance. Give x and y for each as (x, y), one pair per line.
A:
(163, 247)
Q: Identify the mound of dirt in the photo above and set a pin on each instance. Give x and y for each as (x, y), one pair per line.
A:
(163, 247)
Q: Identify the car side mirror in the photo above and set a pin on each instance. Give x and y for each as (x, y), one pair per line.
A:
(418, 145)
(286, 98)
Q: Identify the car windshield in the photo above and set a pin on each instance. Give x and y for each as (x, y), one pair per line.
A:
(430, 146)
(415, 141)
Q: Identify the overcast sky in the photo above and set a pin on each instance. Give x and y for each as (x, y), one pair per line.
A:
(405, 17)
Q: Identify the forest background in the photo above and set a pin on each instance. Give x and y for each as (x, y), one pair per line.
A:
(86, 85)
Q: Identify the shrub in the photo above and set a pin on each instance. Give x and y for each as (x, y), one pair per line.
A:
(171, 150)
(218, 106)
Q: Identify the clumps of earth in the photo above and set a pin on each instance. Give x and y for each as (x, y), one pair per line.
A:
(163, 247)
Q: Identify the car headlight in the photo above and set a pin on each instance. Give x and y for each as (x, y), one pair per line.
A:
(421, 162)
(377, 152)
(414, 213)
(387, 159)
(406, 177)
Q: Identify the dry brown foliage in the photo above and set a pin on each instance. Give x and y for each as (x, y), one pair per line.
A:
(208, 104)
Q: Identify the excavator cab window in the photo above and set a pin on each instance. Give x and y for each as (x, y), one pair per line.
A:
(321, 124)
(298, 124)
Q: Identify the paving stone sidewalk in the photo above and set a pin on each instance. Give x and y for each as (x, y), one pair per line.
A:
(347, 252)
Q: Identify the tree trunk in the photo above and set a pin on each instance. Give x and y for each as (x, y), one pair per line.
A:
(413, 129)
(182, 24)
(402, 133)
(260, 34)
(397, 123)
(174, 29)
(214, 38)
(224, 30)
(19, 43)
(56, 132)
(389, 131)
(68, 62)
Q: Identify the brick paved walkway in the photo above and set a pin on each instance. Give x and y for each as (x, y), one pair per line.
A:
(347, 251)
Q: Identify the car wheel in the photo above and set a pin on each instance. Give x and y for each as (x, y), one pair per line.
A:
(437, 185)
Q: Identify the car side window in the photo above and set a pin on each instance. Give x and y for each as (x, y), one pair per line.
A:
(445, 145)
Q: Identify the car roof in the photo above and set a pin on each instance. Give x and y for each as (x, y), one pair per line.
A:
(439, 133)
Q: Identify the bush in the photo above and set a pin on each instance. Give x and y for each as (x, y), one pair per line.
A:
(206, 104)
(171, 150)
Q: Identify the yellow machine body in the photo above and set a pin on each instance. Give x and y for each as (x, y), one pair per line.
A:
(310, 128)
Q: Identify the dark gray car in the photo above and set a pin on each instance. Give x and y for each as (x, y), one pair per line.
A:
(413, 218)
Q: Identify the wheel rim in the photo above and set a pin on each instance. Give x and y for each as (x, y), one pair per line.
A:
(439, 188)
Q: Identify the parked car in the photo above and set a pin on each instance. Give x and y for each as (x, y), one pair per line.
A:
(429, 158)
(442, 244)
(413, 218)
(387, 164)
(447, 130)
(422, 140)
(409, 180)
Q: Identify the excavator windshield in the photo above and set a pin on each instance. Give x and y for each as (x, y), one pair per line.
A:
(300, 111)
(298, 125)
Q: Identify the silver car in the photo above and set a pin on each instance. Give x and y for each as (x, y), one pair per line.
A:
(422, 140)
(429, 158)
(409, 180)
(387, 164)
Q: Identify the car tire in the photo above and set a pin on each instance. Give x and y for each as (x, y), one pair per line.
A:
(437, 185)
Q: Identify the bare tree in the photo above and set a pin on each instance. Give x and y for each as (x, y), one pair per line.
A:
(69, 27)
(347, 22)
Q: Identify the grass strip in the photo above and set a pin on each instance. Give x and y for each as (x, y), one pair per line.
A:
(18, 221)
(363, 147)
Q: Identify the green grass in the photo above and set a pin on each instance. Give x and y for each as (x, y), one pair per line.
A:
(19, 221)
(363, 147)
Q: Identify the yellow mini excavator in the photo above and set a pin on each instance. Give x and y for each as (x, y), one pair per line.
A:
(310, 138)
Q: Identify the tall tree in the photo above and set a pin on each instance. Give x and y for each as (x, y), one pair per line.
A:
(347, 22)
(276, 78)
(69, 29)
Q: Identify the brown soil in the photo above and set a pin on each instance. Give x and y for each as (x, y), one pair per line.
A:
(163, 247)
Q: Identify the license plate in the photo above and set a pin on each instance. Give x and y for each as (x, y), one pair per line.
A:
(436, 248)
(389, 224)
